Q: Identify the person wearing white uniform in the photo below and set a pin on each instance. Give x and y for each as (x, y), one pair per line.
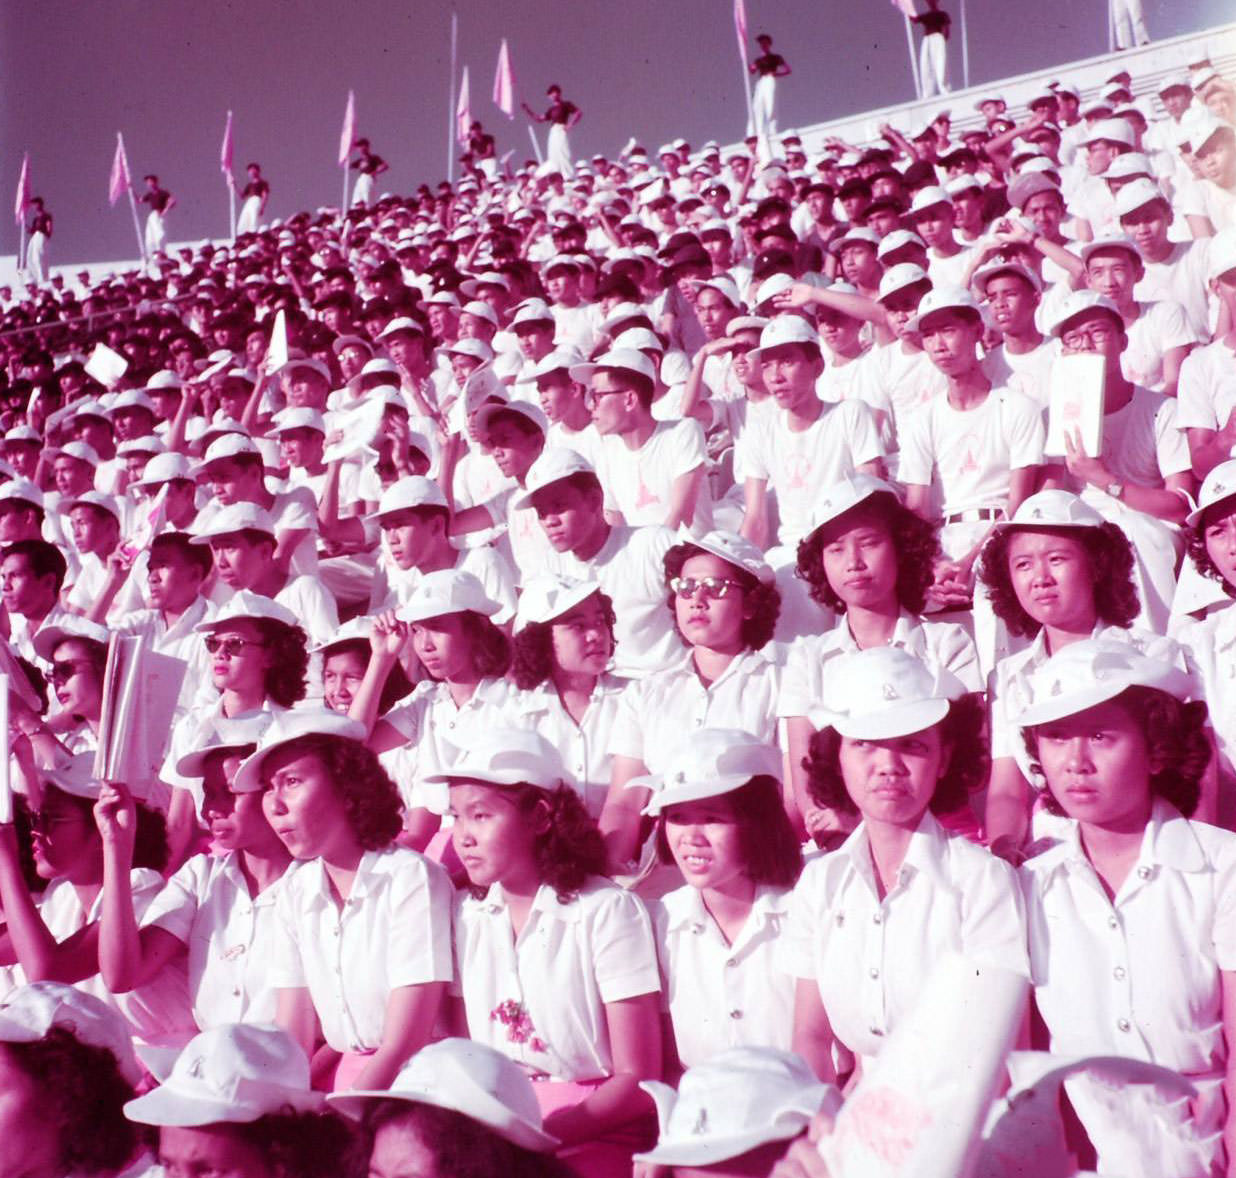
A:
(1128, 23)
(1131, 915)
(933, 52)
(561, 117)
(362, 945)
(766, 69)
(254, 195)
(897, 742)
(721, 822)
(161, 202)
(36, 247)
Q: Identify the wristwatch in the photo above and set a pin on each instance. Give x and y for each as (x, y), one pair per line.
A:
(1115, 490)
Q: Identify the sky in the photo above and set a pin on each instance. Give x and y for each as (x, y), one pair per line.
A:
(166, 74)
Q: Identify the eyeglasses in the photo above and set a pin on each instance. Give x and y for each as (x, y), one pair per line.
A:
(592, 397)
(43, 823)
(62, 672)
(711, 588)
(1095, 334)
(229, 647)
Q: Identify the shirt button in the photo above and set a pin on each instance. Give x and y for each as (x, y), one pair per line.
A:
(697, 929)
(876, 1031)
(699, 721)
(735, 1014)
(1143, 873)
(877, 919)
(1123, 1024)
(873, 973)
(730, 963)
(235, 991)
(1118, 973)
(1112, 922)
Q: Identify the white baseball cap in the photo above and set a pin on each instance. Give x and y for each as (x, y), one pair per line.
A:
(1130, 164)
(724, 285)
(1218, 485)
(1086, 674)
(885, 692)
(858, 235)
(553, 465)
(246, 604)
(298, 418)
(412, 491)
(30, 1011)
(709, 762)
(546, 596)
(731, 1103)
(47, 638)
(944, 298)
(638, 339)
(465, 1077)
(93, 499)
(899, 277)
(287, 727)
(146, 444)
(507, 756)
(447, 591)
(532, 311)
(733, 549)
(76, 777)
(1109, 131)
(845, 495)
(785, 329)
(235, 517)
(1080, 302)
(131, 399)
(621, 359)
(480, 310)
(477, 349)
(310, 363)
(233, 1074)
(1053, 509)
(163, 468)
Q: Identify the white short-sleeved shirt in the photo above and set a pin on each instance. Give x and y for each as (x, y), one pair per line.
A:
(720, 995)
(584, 747)
(1211, 643)
(199, 727)
(1028, 373)
(1139, 976)
(1206, 392)
(540, 998)
(908, 380)
(869, 956)
(659, 712)
(808, 667)
(1158, 328)
(1142, 443)
(314, 607)
(639, 483)
(393, 586)
(969, 454)
(228, 933)
(1180, 278)
(796, 464)
(394, 930)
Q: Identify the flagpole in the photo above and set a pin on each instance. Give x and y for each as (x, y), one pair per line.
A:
(137, 225)
(21, 248)
(918, 86)
(965, 48)
(536, 147)
(231, 206)
(343, 204)
(450, 109)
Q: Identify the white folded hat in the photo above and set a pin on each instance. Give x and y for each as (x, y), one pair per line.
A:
(447, 591)
(287, 727)
(546, 596)
(733, 549)
(708, 762)
(1218, 485)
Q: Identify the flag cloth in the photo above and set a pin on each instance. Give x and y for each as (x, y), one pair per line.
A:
(225, 153)
(504, 82)
(463, 110)
(740, 28)
(120, 182)
(23, 190)
(348, 134)
(906, 6)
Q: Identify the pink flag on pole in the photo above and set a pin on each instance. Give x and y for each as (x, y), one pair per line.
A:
(120, 181)
(740, 27)
(23, 190)
(463, 110)
(348, 134)
(504, 82)
(225, 153)
(906, 6)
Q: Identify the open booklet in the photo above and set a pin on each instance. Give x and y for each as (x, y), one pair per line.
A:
(1075, 403)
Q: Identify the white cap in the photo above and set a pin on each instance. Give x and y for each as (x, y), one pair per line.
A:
(857, 235)
(899, 239)
(165, 380)
(224, 734)
(734, 549)
(131, 399)
(340, 343)
(1218, 485)
(308, 362)
(1086, 674)
(228, 445)
(395, 326)
(146, 444)
(993, 269)
(785, 329)
(47, 638)
(82, 451)
(1109, 131)
(235, 517)
(506, 756)
(620, 314)
(448, 591)
(287, 727)
(23, 490)
(622, 359)
(546, 596)
(885, 692)
(409, 492)
(929, 197)
(481, 310)
(246, 604)
(29, 1012)
(525, 409)
(1054, 509)
(93, 499)
(380, 364)
(1222, 256)
(76, 777)
(898, 278)
(1077, 303)
(1130, 164)
(709, 762)
(232, 1074)
(638, 339)
(298, 418)
(561, 359)
(164, 467)
(476, 348)
(724, 285)
(443, 298)
(465, 1077)
(944, 298)
(532, 311)
(845, 495)
(554, 464)
(23, 433)
(1110, 241)
(736, 1100)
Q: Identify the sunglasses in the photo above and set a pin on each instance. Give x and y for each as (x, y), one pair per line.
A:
(710, 588)
(62, 672)
(229, 647)
(43, 823)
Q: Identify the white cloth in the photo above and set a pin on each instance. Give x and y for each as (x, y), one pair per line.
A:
(639, 484)
(156, 233)
(933, 65)
(558, 150)
(36, 258)
(393, 930)
(1129, 23)
(1160, 327)
(540, 998)
(250, 212)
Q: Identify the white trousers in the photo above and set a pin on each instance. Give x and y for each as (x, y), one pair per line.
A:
(763, 108)
(362, 193)
(36, 259)
(1129, 23)
(247, 222)
(558, 150)
(156, 233)
(933, 64)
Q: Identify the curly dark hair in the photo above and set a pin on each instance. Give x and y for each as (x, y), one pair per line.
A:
(1110, 555)
(306, 1144)
(914, 539)
(568, 846)
(762, 602)
(1195, 544)
(397, 683)
(462, 1147)
(771, 851)
(370, 798)
(150, 847)
(82, 1093)
(287, 675)
(1176, 738)
(961, 731)
(532, 649)
(491, 648)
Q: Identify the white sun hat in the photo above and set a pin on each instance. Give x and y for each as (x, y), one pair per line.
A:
(709, 762)
(503, 757)
(1053, 509)
(465, 1077)
(782, 330)
(554, 464)
(287, 727)
(447, 591)
(733, 549)
(233, 518)
(1218, 485)
(845, 495)
(546, 596)
(244, 603)
(411, 491)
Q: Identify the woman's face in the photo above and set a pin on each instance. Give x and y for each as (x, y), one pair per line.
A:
(704, 839)
(892, 781)
(303, 806)
(65, 837)
(860, 563)
(442, 646)
(705, 619)
(1219, 534)
(581, 639)
(1097, 766)
(493, 840)
(31, 1140)
(1052, 578)
(399, 1151)
(212, 1151)
(241, 658)
(341, 678)
(236, 821)
(75, 680)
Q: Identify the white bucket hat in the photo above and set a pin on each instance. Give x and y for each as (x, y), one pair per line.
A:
(233, 1074)
(553, 465)
(244, 603)
(1054, 509)
(733, 549)
(546, 596)
(845, 495)
(885, 692)
(709, 762)
(732, 1103)
(448, 591)
(1218, 485)
(468, 1078)
(287, 727)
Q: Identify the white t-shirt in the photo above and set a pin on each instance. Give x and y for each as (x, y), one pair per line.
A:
(1028, 373)
(392, 586)
(1160, 327)
(639, 483)
(1180, 278)
(1206, 393)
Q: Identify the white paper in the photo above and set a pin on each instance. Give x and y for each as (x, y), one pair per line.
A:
(1075, 403)
(358, 429)
(151, 515)
(106, 366)
(277, 351)
(6, 785)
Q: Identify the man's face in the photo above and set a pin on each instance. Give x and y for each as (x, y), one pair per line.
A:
(93, 529)
(1147, 226)
(569, 515)
(1099, 156)
(562, 285)
(1112, 273)
(301, 447)
(719, 248)
(513, 449)
(883, 221)
(935, 225)
(408, 534)
(1217, 160)
(790, 372)
(232, 481)
(607, 400)
(24, 593)
(18, 521)
(307, 389)
(856, 262)
(406, 348)
(173, 582)
(1045, 210)
(135, 421)
(950, 339)
(713, 311)
(1176, 102)
(475, 327)
(441, 320)
(558, 394)
(71, 475)
(239, 561)
(1012, 303)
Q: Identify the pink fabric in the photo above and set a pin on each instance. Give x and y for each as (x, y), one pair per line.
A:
(962, 821)
(350, 1065)
(606, 1157)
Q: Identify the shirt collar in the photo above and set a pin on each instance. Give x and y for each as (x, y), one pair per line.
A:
(926, 854)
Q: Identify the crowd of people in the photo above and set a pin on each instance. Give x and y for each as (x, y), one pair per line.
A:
(630, 620)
